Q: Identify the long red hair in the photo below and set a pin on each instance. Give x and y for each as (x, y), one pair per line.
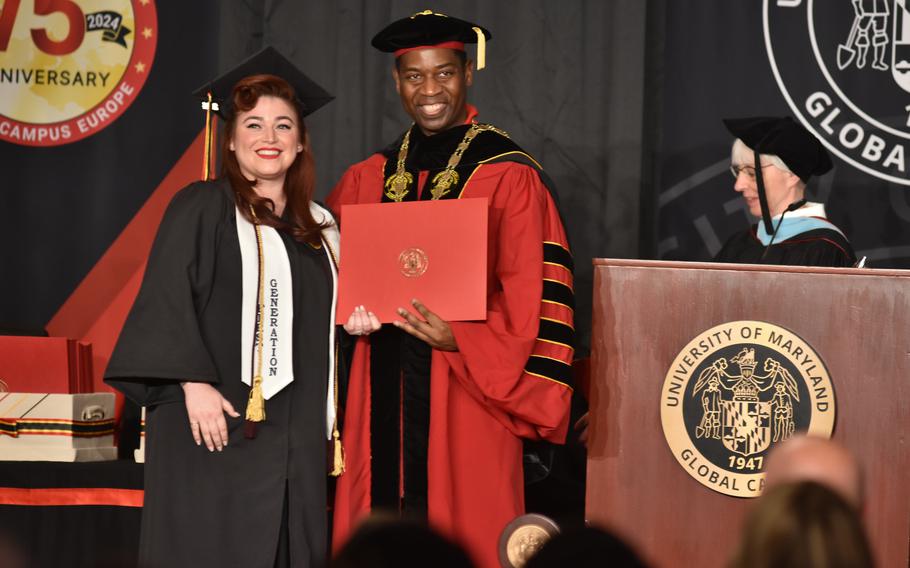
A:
(300, 179)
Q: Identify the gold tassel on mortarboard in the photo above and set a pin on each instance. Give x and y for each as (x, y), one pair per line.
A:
(208, 153)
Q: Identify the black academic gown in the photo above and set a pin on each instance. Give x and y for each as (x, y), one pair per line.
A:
(228, 508)
(819, 247)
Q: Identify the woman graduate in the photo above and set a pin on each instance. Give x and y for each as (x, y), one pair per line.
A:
(235, 315)
(772, 160)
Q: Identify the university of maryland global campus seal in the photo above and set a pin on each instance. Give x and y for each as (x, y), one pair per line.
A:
(69, 69)
(844, 68)
(733, 392)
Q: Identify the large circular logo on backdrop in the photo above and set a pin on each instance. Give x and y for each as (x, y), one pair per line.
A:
(69, 69)
(735, 391)
(844, 68)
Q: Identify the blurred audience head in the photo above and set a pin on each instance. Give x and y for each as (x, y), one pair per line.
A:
(383, 542)
(805, 525)
(809, 458)
(585, 547)
(12, 554)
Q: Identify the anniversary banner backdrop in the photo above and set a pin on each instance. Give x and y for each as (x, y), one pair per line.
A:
(94, 115)
(620, 100)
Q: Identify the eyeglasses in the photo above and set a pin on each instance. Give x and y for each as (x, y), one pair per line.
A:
(748, 170)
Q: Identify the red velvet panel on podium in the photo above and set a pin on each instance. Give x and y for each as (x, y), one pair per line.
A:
(698, 370)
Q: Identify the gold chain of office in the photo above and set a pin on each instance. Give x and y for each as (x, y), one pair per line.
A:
(398, 184)
(255, 407)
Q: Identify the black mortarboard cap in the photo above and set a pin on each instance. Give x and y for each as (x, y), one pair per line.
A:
(789, 141)
(427, 29)
(785, 138)
(269, 61)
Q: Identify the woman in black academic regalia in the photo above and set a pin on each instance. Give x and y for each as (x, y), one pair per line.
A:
(244, 257)
(772, 160)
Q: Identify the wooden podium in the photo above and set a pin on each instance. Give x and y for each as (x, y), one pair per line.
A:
(646, 312)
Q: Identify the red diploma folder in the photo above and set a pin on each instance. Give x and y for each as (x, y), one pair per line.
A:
(435, 251)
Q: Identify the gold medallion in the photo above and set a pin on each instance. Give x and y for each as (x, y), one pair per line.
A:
(443, 182)
(397, 185)
(523, 537)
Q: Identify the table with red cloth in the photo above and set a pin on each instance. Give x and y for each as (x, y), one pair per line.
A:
(70, 514)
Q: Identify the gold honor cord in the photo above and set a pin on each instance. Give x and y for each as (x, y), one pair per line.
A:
(255, 408)
(338, 453)
(338, 448)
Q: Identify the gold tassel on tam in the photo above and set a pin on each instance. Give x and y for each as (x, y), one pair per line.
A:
(481, 48)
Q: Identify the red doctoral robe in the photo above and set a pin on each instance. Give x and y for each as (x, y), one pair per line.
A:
(509, 379)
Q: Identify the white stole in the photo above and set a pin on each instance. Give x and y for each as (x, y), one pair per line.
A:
(278, 317)
(277, 352)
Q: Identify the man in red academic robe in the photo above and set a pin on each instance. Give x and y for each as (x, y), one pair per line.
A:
(436, 411)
